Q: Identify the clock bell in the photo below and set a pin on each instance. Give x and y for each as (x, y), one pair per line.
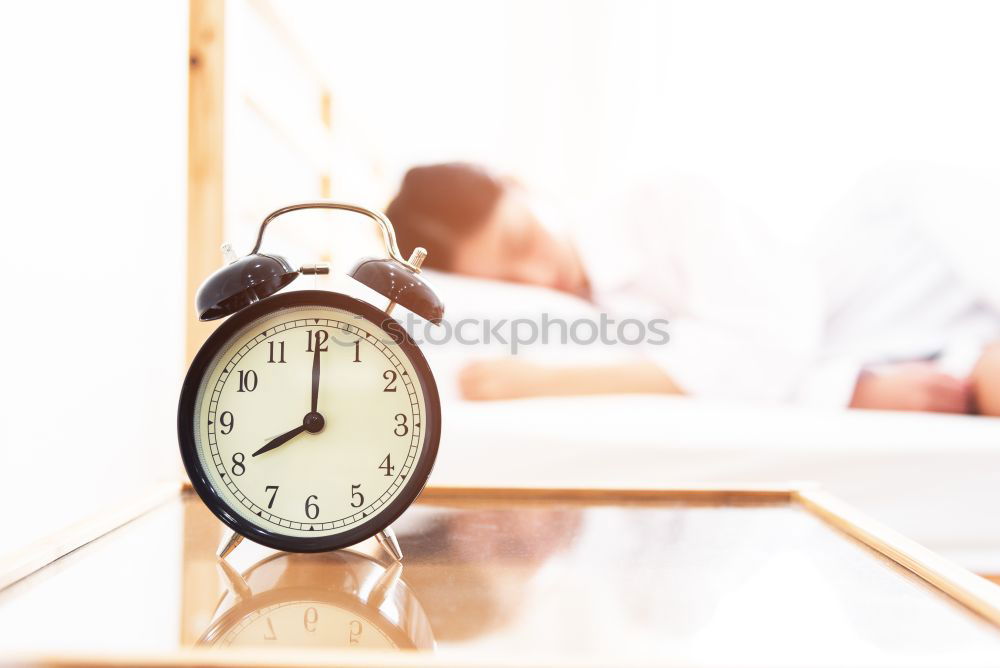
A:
(248, 279)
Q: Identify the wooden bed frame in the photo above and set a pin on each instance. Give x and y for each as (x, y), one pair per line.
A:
(218, 91)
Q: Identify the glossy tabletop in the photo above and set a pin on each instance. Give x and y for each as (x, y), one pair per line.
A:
(556, 578)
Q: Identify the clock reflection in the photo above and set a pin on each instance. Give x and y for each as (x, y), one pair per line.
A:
(338, 599)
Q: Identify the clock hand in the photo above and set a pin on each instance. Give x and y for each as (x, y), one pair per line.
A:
(315, 377)
(280, 440)
(312, 422)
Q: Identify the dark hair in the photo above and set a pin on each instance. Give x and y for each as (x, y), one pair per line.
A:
(437, 205)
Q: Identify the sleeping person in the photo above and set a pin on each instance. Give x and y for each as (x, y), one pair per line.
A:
(880, 320)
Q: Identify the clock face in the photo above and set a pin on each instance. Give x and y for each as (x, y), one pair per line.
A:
(305, 425)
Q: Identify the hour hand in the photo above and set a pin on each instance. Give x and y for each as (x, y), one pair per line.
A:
(280, 440)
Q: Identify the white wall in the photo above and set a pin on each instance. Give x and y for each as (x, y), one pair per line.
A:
(783, 103)
(92, 176)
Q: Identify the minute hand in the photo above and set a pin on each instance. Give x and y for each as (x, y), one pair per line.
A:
(280, 440)
(315, 377)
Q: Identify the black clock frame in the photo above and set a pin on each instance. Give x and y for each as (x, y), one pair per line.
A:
(186, 422)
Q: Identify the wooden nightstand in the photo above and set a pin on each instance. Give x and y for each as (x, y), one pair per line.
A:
(763, 575)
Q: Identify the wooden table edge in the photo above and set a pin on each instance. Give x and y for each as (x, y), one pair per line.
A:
(971, 590)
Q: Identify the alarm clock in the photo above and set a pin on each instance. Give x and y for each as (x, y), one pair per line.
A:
(338, 600)
(310, 420)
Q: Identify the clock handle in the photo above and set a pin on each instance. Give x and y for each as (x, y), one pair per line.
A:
(395, 277)
(388, 233)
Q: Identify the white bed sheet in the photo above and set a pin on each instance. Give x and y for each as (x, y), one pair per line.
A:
(934, 478)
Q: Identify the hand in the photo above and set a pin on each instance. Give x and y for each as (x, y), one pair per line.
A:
(912, 387)
(280, 440)
(509, 378)
(312, 422)
(315, 377)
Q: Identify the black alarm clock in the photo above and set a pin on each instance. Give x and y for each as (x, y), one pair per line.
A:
(310, 420)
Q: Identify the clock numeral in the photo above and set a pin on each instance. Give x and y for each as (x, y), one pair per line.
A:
(312, 510)
(321, 337)
(274, 492)
(390, 376)
(227, 421)
(281, 353)
(239, 468)
(269, 634)
(401, 428)
(309, 619)
(387, 466)
(357, 350)
(248, 381)
(357, 496)
(355, 629)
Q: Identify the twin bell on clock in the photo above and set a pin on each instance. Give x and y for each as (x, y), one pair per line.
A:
(309, 420)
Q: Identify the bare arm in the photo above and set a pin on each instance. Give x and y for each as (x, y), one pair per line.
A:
(912, 386)
(986, 381)
(514, 379)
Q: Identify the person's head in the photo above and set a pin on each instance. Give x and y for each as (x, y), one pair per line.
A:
(474, 223)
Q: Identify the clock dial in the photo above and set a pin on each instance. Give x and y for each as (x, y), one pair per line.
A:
(310, 422)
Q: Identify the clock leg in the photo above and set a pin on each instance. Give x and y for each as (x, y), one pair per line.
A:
(387, 539)
(234, 540)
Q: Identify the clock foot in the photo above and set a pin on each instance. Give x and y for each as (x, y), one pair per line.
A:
(234, 540)
(387, 539)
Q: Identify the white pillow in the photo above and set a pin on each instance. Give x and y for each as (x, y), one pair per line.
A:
(486, 303)
(467, 297)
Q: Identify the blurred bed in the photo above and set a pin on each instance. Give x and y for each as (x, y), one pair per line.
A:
(935, 478)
